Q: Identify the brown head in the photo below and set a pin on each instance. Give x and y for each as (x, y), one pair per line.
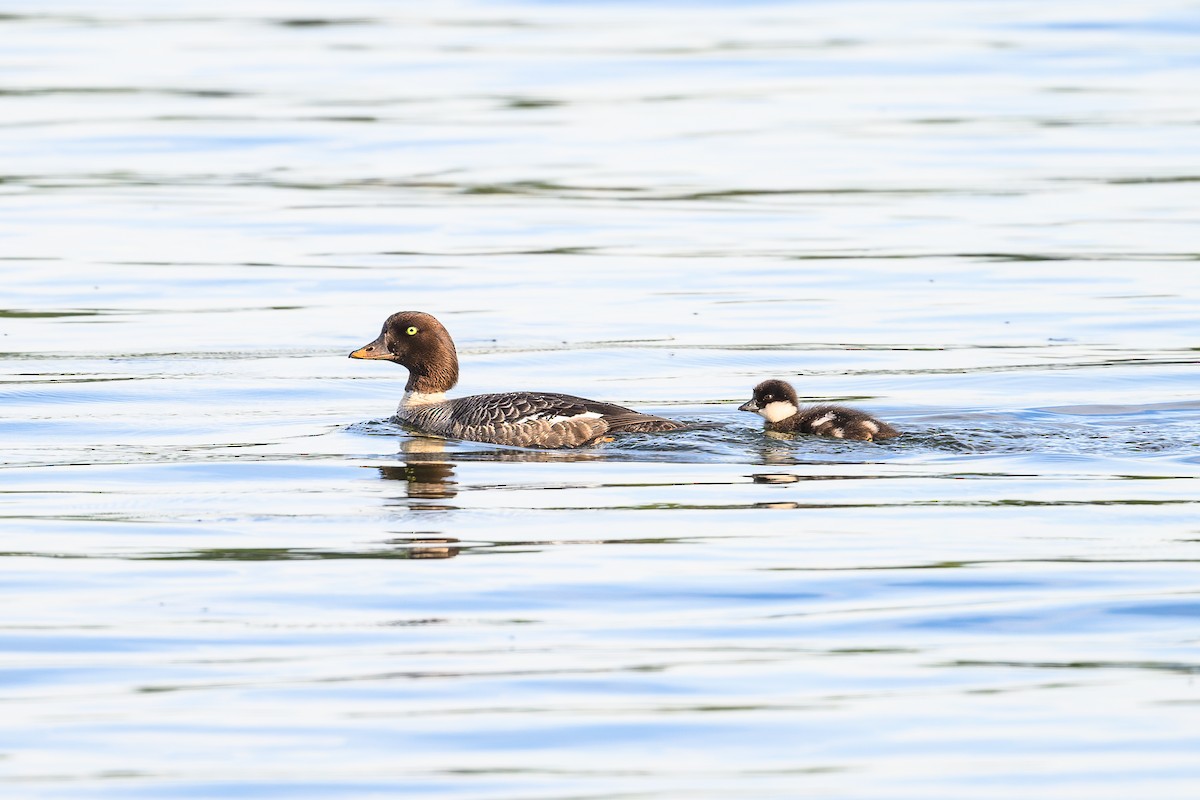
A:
(419, 342)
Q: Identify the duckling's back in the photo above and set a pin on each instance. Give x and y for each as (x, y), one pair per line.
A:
(837, 422)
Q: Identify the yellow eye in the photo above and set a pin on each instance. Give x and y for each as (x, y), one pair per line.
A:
(412, 331)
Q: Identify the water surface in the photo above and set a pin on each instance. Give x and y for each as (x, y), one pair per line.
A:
(227, 575)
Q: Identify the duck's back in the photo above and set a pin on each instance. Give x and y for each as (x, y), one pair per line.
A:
(528, 419)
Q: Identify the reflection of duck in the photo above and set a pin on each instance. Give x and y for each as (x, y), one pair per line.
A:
(526, 419)
(777, 403)
(425, 481)
(427, 473)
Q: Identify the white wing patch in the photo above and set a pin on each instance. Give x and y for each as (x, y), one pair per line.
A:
(827, 417)
(559, 418)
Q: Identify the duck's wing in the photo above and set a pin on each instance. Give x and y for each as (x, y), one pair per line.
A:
(525, 419)
(544, 419)
(621, 419)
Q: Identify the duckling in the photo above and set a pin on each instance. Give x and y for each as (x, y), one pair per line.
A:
(419, 342)
(777, 403)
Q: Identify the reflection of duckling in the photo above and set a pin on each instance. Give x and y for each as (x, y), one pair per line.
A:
(774, 477)
(526, 419)
(427, 547)
(777, 403)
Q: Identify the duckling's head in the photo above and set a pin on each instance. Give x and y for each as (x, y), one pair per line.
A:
(774, 400)
(419, 342)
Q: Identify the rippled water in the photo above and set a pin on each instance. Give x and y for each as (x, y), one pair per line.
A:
(225, 574)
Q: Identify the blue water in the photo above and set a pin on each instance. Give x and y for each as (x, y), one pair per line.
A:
(226, 574)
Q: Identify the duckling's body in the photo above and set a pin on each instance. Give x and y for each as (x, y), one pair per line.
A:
(776, 402)
(523, 419)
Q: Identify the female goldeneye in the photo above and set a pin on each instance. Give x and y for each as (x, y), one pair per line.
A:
(524, 419)
(777, 403)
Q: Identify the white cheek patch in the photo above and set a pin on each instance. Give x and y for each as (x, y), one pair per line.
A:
(777, 410)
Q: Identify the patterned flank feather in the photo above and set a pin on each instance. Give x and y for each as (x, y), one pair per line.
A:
(528, 419)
